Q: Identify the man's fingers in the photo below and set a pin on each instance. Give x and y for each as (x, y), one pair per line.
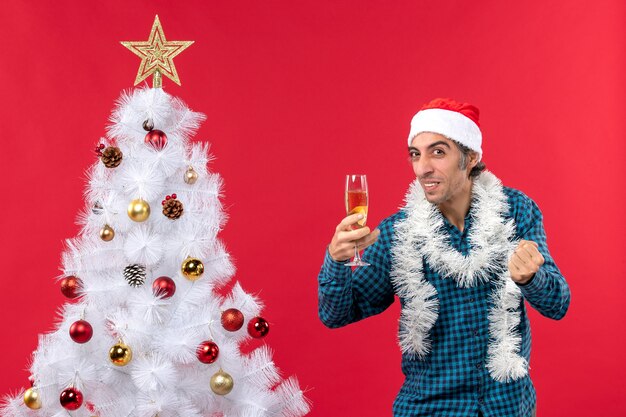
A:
(518, 262)
(368, 240)
(523, 256)
(518, 266)
(348, 221)
(532, 250)
(514, 263)
(525, 263)
(352, 235)
(342, 244)
(346, 248)
(346, 237)
(542, 260)
(528, 250)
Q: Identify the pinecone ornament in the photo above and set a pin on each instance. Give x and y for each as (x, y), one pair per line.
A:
(111, 156)
(172, 208)
(135, 275)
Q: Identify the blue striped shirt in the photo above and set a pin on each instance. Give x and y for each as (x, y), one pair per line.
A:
(452, 380)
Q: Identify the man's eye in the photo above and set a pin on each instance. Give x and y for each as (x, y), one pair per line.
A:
(413, 155)
(438, 152)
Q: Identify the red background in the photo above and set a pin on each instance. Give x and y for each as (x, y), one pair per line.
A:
(298, 94)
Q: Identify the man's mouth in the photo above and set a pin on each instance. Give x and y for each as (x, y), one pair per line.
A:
(429, 186)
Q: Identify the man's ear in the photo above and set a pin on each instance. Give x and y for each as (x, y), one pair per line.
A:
(473, 159)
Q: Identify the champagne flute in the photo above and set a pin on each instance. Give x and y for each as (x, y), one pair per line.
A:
(356, 203)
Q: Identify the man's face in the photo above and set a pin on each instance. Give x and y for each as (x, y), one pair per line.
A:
(435, 160)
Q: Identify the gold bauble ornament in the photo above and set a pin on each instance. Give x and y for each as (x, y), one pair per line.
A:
(138, 210)
(32, 399)
(191, 176)
(222, 383)
(107, 233)
(192, 269)
(120, 354)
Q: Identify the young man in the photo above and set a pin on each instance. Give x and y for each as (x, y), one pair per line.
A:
(462, 256)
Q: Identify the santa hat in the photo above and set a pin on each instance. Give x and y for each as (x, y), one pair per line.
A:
(454, 120)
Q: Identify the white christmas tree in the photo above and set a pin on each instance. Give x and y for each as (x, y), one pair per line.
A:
(146, 334)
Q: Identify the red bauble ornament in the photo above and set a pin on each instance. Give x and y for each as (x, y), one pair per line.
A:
(81, 331)
(71, 399)
(232, 319)
(157, 139)
(70, 287)
(258, 327)
(163, 287)
(207, 352)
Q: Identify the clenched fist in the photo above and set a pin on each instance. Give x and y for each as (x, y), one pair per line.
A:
(525, 261)
(342, 246)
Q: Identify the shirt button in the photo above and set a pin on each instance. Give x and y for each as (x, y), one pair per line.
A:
(471, 300)
(475, 332)
(478, 365)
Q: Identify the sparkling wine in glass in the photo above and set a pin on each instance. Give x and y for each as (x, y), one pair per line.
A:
(356, 203)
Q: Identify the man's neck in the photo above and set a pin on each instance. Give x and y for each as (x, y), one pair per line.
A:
(456, 209)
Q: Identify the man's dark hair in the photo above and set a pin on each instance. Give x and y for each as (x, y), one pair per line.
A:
(465, 152)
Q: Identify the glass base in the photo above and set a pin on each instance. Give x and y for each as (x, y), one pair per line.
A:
(357, 262)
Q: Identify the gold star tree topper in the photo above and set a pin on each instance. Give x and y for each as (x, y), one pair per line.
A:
(157, 55)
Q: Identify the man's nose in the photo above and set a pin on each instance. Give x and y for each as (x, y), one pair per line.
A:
(422, 167)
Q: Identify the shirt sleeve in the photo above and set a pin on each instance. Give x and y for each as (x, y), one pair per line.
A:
(547, 292)
(345, 295)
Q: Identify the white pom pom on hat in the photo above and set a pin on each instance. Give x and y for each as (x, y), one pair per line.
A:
(450, 118)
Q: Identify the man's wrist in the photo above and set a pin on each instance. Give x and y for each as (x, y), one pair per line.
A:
(333, 270)
(330, 257)
(534, 286)
(526, 282)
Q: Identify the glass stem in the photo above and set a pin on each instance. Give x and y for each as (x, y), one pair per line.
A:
(357, 257)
